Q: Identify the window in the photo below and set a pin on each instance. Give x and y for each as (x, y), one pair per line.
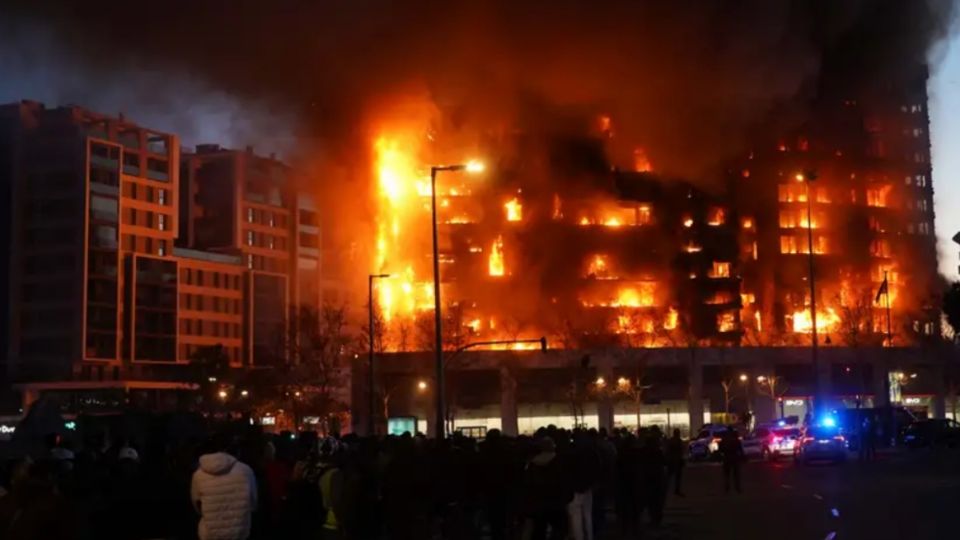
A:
(158, 169)
(788, 244)
(161, 247)
(162, 197)
(249, 238)
(250, 262)
(308, 240)
(270, 242)
(720, 270)
(162, 222)
(250, 215)
(308, 218)
(216, 279)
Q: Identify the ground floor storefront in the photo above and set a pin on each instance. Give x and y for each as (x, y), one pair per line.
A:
(518, 392)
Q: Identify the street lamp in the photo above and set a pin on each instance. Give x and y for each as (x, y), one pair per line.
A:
(222, 394)
(372, 380)
(743, 377)
(422, 386)
(806, 178)
(470, 167)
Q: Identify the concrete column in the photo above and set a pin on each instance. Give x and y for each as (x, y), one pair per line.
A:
(938, 405)
(508, 402)
(881, 393)
(695, 396)
(825, 380)
(605, 403)
(28, 397)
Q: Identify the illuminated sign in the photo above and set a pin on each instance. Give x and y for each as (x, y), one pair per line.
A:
(7, 430)
(268, 420)
(911, 401)
(793, 402)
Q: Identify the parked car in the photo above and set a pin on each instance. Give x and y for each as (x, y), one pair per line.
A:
(934, 432)
(772, 442)
(821, 443)
(707, 442)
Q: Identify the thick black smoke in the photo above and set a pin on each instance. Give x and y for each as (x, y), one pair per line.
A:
(691, 82)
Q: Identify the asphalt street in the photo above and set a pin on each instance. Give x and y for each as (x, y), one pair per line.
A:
(903, 495)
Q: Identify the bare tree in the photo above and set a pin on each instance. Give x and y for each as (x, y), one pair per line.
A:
(857, 330)
(727, 385)
(772, 386)
(311, 377)
(404, 330)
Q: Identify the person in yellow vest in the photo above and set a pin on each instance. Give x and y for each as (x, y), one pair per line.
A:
(331, 492)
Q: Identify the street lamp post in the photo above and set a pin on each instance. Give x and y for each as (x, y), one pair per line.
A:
(818, 404)
(372, 394)
(473, 167)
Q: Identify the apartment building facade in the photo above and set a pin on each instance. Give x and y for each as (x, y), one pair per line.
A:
(120, 272)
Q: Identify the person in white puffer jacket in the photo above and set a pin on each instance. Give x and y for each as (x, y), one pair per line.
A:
(224, 492)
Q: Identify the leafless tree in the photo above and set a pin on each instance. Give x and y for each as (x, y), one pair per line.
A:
(311, 378)
(773, 387)
(858, 331)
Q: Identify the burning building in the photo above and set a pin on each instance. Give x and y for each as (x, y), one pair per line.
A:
(596, 257)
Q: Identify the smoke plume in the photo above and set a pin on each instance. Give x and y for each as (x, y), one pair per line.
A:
(690, 82)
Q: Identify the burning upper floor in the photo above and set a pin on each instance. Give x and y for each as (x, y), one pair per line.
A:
(563, 243)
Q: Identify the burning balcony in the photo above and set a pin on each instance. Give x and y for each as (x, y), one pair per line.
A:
(636, 294)
(616, 216)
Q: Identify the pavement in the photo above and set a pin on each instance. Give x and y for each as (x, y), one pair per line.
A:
(902, 495)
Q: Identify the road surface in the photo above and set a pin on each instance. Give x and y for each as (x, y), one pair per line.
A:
(904, 495)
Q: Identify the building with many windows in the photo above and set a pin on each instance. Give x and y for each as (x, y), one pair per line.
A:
(125, 259)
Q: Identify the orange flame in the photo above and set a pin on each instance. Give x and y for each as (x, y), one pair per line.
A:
(599, 268)
(495, 265)
(670, 322)
(514, 210)
(826, 320)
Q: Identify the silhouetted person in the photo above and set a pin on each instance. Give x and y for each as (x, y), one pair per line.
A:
(675, 462)
(545, 494)
(868, 440)
(731, 452)
(653, 479)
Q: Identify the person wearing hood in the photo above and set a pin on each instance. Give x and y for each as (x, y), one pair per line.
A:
(224, 493)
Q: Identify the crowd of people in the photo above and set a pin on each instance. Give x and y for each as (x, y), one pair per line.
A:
(556, 484)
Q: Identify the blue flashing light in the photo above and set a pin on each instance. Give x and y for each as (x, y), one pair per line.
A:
(781, 423)
(828, 421)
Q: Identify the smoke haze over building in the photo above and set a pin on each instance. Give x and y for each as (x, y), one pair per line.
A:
(691, 84)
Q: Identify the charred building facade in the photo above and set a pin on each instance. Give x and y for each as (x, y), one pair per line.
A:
(656, 289)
